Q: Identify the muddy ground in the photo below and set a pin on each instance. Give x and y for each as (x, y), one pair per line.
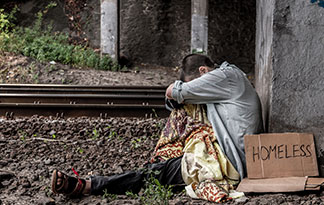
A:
(30, 148)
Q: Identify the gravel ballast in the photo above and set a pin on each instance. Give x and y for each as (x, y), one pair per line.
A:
(32, 147)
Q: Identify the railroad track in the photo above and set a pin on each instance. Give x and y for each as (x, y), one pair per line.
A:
(75, 101)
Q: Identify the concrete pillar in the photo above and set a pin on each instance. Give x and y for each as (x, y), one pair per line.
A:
(109, 28)
(263, 55)
(199, 26)
(289, 67)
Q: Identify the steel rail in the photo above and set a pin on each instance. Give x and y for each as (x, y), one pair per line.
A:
(81, 89)
(144, 87)
(73, 101)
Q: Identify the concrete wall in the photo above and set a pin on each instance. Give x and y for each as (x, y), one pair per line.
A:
(56, 15)
(263, 55)
(155, 32)
(296, 84)
(163, 29)
(159, 32)
(231, 32)
(109, 28)
(89, 15)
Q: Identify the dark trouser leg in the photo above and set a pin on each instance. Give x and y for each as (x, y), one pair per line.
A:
(169, 174)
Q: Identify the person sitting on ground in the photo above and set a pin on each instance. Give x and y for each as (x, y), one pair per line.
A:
(201, 146)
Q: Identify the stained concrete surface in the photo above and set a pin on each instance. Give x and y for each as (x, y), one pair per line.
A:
(231, 32)
(296, 85)
(159, 32)
(263, 55)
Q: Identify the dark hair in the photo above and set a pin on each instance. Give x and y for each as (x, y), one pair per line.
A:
(191, 64)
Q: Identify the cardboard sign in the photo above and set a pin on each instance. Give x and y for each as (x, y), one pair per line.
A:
(280, 155)
(284, 184)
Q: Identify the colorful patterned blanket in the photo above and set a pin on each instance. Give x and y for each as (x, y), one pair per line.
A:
(205, 169)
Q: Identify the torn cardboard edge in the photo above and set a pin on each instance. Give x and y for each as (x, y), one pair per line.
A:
(283, 184)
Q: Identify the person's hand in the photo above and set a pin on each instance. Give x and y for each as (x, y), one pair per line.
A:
(168, 93)
(204, 69)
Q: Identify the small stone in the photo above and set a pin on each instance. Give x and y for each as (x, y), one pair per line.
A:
(6, 183)
(40, 165)
(242, 199)
(68, 156)
(12, 154)
(99, 142)
(21, 190)
(180, 202)
(52, 132)
(47, 162)
(13, 186)
(321, 198)
(263, 201)
(5, 175)
(34, 177)
(119, 170)
(3, 162)
(25, 184)
(46, 201)
(46, 173)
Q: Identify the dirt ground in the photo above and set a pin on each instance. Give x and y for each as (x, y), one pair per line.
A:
(32, 147)
(24, 70)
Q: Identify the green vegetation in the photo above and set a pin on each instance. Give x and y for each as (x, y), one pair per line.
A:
(112, 134)
(136, 143)
(95, 134)
(44, 45)
(198, 51)
(154, 193)
(108, 196)
(22, 135)
(6, 21)
(80, 150)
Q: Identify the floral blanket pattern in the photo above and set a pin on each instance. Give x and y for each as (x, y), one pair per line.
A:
(205, 169)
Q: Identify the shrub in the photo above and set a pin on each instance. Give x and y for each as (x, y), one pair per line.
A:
(45, 45)
(6, 21)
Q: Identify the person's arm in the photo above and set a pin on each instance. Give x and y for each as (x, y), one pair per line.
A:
(170, 103)
(169, 91)
(212, 87)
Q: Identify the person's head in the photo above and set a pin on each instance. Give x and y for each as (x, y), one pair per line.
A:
(195, 65)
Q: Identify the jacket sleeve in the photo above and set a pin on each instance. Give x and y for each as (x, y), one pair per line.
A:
(212, 87)
(171, 104)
